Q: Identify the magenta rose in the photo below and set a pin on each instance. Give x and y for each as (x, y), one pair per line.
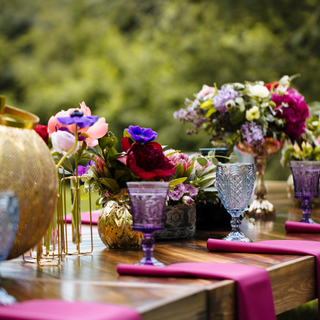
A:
(146, 160)
(293, 109)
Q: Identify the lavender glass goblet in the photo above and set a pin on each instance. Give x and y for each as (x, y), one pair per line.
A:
(148, 204)
(235, 183)
(306, 185)
(9, 220)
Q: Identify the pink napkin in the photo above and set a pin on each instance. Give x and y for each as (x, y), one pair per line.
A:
(272, 246)
(292, 226)
(64, 310)
(85, 217)
(255, 300)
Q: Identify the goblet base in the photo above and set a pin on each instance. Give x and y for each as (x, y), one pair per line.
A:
(237, 236)
(308, 220)
(150, 262)
(6, 299)
(261, 207)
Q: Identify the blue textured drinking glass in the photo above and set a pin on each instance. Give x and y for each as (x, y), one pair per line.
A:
(9, 221)
(306, 185)
(148, 207)
(235, 183)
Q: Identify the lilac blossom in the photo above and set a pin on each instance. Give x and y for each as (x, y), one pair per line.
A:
(252, 133)
(224, 94)
(182, 190)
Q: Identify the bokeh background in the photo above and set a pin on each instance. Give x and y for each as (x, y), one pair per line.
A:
(135, 61)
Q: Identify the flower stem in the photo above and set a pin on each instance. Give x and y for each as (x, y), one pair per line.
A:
(70, 151)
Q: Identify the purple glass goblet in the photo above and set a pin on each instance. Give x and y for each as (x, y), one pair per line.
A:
(148, 207)
(306, 185)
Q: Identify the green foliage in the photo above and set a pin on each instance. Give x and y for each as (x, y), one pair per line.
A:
(134, 61)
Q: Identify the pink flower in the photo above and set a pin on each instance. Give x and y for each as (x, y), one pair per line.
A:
(204, 91)
(292, 108)
(63, 141)
(177, 158)
(198, 167)
(187, 200)
(98, 130)
(100, 165)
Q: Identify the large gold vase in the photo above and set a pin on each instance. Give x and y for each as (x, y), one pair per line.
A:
(28, 169)
(270, 146)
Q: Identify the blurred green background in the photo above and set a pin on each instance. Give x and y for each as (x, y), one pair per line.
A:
(135, 61)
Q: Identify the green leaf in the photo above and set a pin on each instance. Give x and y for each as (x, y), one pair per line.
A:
(189, 170)
(177, 181)
(236, 115)
(202, 161)
(233, 158)
(210, 112)
(110, 184)
(94, 151)
(207, 104)
(126, 134)
(179, 170)
(214, 161)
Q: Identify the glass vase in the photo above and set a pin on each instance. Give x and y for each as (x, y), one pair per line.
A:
(76, 210)
(260, 205)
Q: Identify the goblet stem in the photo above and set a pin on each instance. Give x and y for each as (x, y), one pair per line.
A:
(147, 247)
(236, 234)
(306, 211)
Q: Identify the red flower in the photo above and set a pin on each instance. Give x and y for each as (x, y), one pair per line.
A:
(274, 84)
(42, 131)
(293, 109)
(146, 160)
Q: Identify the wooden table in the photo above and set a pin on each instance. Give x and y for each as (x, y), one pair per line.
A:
(93, 277)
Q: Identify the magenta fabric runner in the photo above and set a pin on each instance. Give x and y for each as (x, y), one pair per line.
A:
(64, 310)
(292, 226)
(272, 247)
(254, 292)
(85, 217)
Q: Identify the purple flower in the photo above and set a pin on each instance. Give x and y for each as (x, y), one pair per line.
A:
(182, 190)
(84, 169)
(252, 133)
(224, 94)
(141, 134)
(78, 118)
(187, 200)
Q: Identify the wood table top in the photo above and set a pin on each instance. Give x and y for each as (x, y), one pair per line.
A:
(93, 277)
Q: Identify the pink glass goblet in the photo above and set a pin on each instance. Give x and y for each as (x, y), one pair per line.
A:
(306, 185)
(148, 204)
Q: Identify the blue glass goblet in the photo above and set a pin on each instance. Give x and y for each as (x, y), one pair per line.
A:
(148, 207)
(306, 185)
(9, 220)
(235, 183)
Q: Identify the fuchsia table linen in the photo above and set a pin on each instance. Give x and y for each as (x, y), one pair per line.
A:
(85, 217)
(272, 247)
(292, 226)
(255, 300)
(64, 310)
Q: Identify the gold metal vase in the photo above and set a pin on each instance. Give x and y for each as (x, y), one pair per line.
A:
(270, 146)
(115, 224)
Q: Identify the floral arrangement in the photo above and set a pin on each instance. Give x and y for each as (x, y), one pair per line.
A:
(247, 112)
(74, 131)
(143, 159)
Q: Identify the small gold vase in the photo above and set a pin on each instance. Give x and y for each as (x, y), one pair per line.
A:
(115, 224)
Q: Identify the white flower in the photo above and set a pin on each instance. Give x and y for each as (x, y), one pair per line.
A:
(63, 141)
(253, 113)
(259, 91)
(285, 81)
(282, 89)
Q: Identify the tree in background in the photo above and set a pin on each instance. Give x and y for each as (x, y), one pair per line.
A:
(134, 62)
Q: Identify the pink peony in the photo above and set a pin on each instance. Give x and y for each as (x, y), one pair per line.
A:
(177, 158)
(204, 91)
(198, 167)
(98, 130)
(63, 141)
(293, 109)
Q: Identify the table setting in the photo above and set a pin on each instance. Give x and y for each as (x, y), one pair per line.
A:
(146, 222)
